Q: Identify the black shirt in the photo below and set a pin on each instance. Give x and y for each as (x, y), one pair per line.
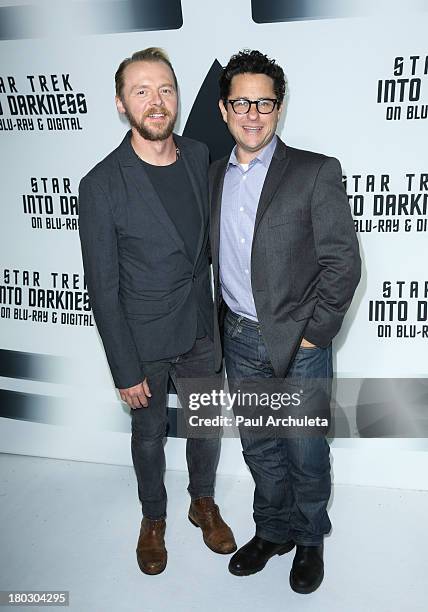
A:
(173, 186)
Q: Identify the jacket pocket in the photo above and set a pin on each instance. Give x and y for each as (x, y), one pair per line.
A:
(135, 307)
(303, 311)
(278, 220)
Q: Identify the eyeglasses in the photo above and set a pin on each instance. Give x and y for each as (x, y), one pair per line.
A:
(241, 106)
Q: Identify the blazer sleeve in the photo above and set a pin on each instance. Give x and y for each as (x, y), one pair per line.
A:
(100, 261)
(337, 252)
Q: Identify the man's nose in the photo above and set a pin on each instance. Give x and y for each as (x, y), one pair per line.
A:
(253, 113)
(156, 98)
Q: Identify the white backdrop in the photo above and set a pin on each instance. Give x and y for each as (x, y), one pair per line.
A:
(339, 103)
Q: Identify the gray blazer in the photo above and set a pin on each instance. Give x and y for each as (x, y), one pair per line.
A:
(305, 263)
(145, 292)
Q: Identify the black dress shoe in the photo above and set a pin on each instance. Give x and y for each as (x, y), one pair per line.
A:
(252, 557)
(307, 571)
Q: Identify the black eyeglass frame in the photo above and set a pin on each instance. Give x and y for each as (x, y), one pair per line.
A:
(251, 102)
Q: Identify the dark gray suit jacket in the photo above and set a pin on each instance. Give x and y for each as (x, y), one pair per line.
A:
(305, 263)
(144, 290)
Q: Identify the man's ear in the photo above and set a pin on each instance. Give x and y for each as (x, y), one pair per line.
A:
(223, 110)
(119, 105)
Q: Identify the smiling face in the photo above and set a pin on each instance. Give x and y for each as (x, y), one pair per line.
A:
(149, 99)
(254, 130)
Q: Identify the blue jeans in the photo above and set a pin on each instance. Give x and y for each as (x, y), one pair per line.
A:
(149, 427)
(291, 475)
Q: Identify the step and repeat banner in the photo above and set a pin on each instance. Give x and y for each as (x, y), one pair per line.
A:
(357, 90)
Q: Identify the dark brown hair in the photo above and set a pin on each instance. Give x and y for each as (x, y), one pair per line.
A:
(253, 62)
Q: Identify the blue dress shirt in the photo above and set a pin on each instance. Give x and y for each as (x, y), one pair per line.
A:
(241, 194)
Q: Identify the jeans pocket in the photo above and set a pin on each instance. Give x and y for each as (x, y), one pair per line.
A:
(311, 362)
(231, 326)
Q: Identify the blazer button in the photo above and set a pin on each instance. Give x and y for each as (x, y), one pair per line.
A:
(193, 278)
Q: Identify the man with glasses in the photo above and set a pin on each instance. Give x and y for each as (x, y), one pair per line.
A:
(286, 265)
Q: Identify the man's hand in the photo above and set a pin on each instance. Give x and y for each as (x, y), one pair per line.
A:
(136, 396)
(306, 344)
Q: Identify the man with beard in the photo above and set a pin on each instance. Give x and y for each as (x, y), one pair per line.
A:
(143, 229)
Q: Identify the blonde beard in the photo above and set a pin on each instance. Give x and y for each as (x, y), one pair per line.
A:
(149, 133)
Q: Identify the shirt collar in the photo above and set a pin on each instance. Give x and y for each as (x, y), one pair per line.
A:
(264, 156)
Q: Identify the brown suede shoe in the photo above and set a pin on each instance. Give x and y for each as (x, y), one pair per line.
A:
(218, 536)
(151, 551)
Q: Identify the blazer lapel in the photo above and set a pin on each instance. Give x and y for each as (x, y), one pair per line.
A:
(134, 170)
(274, 176)
(191, 163)
(217, 182)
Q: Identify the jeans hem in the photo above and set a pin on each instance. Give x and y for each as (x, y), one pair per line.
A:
(194, 497)
(272, 537)
(152, 517)
(299, 541)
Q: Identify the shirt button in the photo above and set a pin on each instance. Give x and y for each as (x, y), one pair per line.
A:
(247, 271)
(242, 240)
(241, 209)
(244, 177)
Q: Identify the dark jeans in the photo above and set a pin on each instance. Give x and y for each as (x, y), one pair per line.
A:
(149, 429)
(291, 475)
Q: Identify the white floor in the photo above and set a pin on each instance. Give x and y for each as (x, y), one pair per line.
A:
(73, 526)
